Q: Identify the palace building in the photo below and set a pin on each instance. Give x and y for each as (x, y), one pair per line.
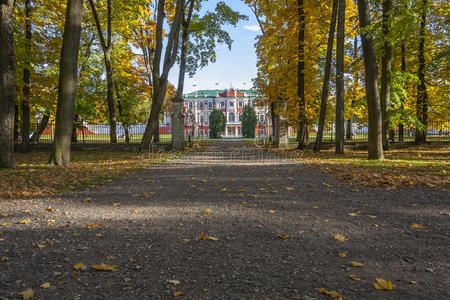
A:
(198, 106)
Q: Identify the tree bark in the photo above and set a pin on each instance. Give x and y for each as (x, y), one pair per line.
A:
(26, 80)
(422, 94)
(177, 116)
(375, 143)
(60, 155)
(326, 78)
(7, 84)
(349, 135)
(386, 66)
(401, 127)
(160, 80)
(340, 93)
(301, 76)
(16, 124)
(106, 47)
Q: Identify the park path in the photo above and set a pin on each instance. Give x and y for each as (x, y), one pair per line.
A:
(274, 221)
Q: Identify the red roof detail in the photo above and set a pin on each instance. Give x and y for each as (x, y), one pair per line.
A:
(231, 93)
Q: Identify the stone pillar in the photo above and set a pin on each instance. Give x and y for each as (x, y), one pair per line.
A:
(177, 127)
(283, 132)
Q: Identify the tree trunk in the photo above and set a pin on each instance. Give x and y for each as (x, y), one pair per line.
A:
(375, 144)
(422, 94)
(355, 86)
(60, 155)
(401, 127)
(16, 125)
(301, 76)
(7, 84)
(26, 80)
(106, 47)
(386, 66)
(340, 93)
(160, 80)
(326, 78)
(273, 115)
(37, 134)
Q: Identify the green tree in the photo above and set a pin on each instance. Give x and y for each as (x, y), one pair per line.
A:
(248, 122)
(217, 123)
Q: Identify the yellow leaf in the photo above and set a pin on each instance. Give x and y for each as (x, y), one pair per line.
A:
(339, 237)
(356, 264)
(342, 255)
(352, 214)
(244, 202)
(91, 226)
(206, 211)
(205, 237)
(326, 220)
(201, 189)
(316, 207)
(4, 224)
(223, 190)
(412, 282)
(371, 216)
(354, 277)
(283, 236)
(332, 294)
(26, 294)
(271, 211)
(326, 184)
(186, 240)
(45, 285)
(177, 293)
(174, 282)
(211, 238)
(104, 267)
(417, 226)
(26, 221)
(241, 191)
(74, 275)
(116, 204)
(78, 266)
(126, 279)
(382, 284)
(135, 211)
(301, 232)
(98, 234)
(290, 188)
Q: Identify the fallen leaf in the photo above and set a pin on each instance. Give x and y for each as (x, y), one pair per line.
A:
(177, 293)
(4, 224)
(104, 267)
(223, 190)
(174, 282)
(79, 266)
(355, 277)
(205, 237)
(45, 285)
(126, 279)
(382, 284)
(332, 294)
(412, 282)
(316, 207)
(283, 236)
(186, 240)
(241, 191)
(290, 188)
(135, 211)
(206, 211)
(342, 255)
(116, 204)
(201, 189)
(326, 184)
(91, 226)
(98, 234)
(339, 237)
(244, 202)
(301, 232)
(26, 221)
(372, 217)
(26, 294)
(352, 214)
(271, 211)
(356, 264)
(417, 226)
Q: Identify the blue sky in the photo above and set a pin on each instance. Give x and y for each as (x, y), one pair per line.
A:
(232, 68)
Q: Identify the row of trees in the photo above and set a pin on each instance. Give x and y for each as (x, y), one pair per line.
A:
(218, 121)
(405, 39)
(99, 60)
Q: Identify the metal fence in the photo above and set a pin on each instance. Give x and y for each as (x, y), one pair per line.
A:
(99, 133)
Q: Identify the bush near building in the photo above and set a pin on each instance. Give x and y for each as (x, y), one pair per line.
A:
(217, 123)
(249, 122)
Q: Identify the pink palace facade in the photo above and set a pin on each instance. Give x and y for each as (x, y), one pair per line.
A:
(199, 105)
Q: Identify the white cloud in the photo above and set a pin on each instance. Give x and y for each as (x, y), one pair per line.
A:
(252, 27)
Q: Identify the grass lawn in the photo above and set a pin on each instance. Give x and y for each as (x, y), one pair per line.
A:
(413, 165)
(32, 176)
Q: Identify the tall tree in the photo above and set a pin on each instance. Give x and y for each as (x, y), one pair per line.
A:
(7, 84)
(422, 94)
(375, 141)
(107, 47)
(340, 93)
(160, 79)
(401, 127)
(386, 69)
(26, 80)
(326, 78)
(249, 121)
(60, 155)
(302, 128)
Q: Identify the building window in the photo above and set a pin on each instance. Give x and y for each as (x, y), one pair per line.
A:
(231, 104)
(240, 131)
(231, 131)
(210, 104)
(222, 104)
(240, 104)
(202, 119)
(201, 104)
(240, 117)
(190, 104)
(261, 118)
(231, 117)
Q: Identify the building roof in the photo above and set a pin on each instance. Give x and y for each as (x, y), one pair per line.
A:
(215, 93)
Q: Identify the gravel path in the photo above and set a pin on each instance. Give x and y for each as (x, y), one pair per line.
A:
(150, 225)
